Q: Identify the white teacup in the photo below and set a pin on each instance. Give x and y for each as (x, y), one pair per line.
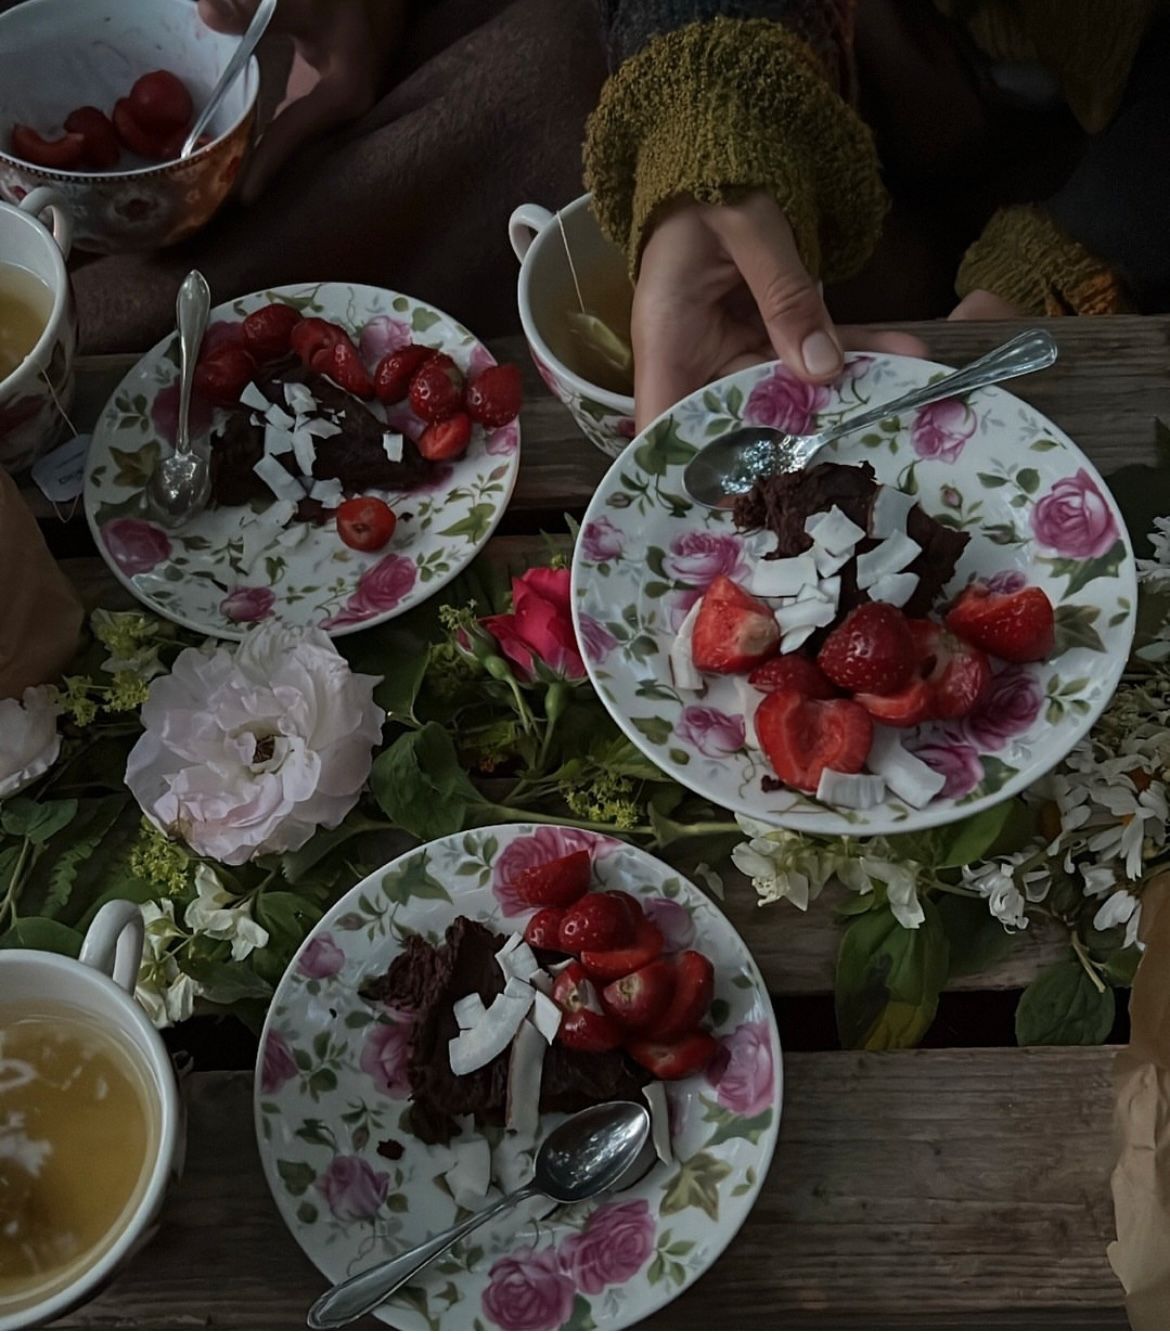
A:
(100, 983)
(546, 292)
(39, 391)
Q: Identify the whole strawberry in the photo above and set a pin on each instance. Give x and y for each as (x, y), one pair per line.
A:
(493, 397)
(437, 389)
(1018, 627)
(871, 650)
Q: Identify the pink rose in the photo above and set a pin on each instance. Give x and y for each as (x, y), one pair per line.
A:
(527, 1291)
(711, 732)
(277, 1066)
(380, 588)
(546, 844)
(786, 402)
(698, 558)
(221, 333)
(625, 427)
(741, 1071)
(616, 1242)
(248, 604)
(164, 413)
(400, 417)
(601, 540)
(1006, 581)
(1010, 706)
(321, 958)
(958, 763)
(352, 1189)
(1074, 518)
(596, 640)
(135, 545)
(386, 1053)
(673, 920)
(505, 440)
(479, 361)
(941, 429)
(383, 335)
(539, 627)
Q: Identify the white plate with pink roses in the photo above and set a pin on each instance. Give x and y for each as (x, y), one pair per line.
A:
(1037, 513)
(232, 567)
(354, 1186)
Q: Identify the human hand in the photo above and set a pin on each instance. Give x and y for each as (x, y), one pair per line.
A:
(722, 287)
(982, 305)
(334, 78)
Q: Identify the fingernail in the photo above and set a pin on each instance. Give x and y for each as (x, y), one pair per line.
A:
(821, 355)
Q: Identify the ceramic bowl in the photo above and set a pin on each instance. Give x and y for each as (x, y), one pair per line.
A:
(56, 55)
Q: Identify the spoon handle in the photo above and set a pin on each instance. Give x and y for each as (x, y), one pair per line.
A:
(1030, 351)
(359, 1295)
(240, 57)
(191, 309)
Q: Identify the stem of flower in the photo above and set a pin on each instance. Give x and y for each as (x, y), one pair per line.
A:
(1087, 963)
(10, 894)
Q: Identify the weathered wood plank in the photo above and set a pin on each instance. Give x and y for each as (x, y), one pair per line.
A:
(927, 1188)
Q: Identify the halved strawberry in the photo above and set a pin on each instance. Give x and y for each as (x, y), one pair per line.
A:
(734, 631)
(543, 929)
(956, 673)
(573, 990)
(1018, 627)
(694, 989)
(609, 965)
(792, 671)
(553, 884)
(447, 439)
(310, 337)
(588, 1031)
(595, 922)
(909, 707)
(637, 1000)
(675, 1060)
(802, 737)
(870, 650)
(634, 913)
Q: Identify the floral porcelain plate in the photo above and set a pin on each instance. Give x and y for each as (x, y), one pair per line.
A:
(1036, 509)
(331, 1085)
(226, 569)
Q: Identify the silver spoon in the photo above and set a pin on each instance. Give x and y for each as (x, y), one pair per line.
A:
(584, 1156)
(240, 57)
(181, 482)
(729, 465)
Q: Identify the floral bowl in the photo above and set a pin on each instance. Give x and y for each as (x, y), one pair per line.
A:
(332, 1084)
(1037, 512)
(56, 55)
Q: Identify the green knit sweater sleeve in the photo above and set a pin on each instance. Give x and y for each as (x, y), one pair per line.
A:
(717, 109)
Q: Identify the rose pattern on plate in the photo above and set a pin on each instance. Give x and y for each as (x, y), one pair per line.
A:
(545, 845)
(352, 1189)
(379, 588)
(381, 336)
(787, 403)
(710, 731)
(1010, 707)
(958, 763)
(135, 545)
(277, 1065)
(941, 429)
(386, 1054)
(247, 605)
(596, 640)
(1074, 519)
(612, 1247)
(741, 1072)
(528, 1291)
(321, 958)
(675, 923)
(602, 541)
(697, 558)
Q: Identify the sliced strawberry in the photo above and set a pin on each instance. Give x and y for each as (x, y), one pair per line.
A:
(802, 737)
(267, 331)
(437, 388)
(909, 707)
(637, 1000)
(102, 149)
(493, 398)
(447, 439)
(397, 369)
(553, 884)
(694, 990)
(956, 673)
(609, 965)
(674, 1060)
(634, 913)
(586, 1031)
(792, 671)
(870, 650)
(58, 154)
(222, 376)
(1018, 627)
(734, 631)
(342, 363)
(573, 990)
(595, 922)
(309, 338)
(543, 929)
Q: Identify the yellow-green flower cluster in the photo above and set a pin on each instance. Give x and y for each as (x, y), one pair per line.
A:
(608, 799)
(158, 860)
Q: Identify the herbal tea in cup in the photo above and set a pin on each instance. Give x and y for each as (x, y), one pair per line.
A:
(26, 302)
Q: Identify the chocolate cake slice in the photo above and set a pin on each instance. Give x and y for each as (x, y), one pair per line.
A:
(781, 504)
(428, 980)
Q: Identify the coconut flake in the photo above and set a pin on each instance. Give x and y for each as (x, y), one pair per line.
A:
(305, 450)
(392, 444)
(517, 960)
(659, 1107)
(811, 613)
(525, 1069)
(328, 491)
(827, 563)
(322, 429)
(282, 484)
(888, 557)
(749, 702)
(469, 1178)
(682, 664)
(795, 639)
(782, 578)
(835, 531)
(890, 511)
(559, 967)
(276, 416)
(277, 440)
(542, 982)
(252, 397)
(293, 536)
(478, 1046)
(546, 1015)
(857, 792)
(299, 398)
(896, 589)
(469, 1010)
(906, 775)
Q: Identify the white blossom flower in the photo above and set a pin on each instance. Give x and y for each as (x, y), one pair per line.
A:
(215, 913)
(1155, 573)
(164, 991)
(1098, 880)
(1120, 907)
(1141, 816)
(783, 864)
(900, 879)
(250, 751)
(997, 884)
(29, 742)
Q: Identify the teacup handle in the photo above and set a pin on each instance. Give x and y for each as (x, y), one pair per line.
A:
(525, 224)
(44, 199)
(113, 943)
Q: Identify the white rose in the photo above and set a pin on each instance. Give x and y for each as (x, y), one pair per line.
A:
(250, 751)
(29, 742)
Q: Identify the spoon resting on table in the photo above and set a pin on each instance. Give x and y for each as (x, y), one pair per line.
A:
(730, 465)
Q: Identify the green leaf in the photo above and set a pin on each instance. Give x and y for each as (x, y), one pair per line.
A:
(696, 1185)
(42, 933)
(1043, 446)
(996, 773)
(37, 821)
(581, 1316)
(225, 983)
(295, 866)
(95, 820)
(655, 730)
(297, 1177)
(315, 1132)
(420, 785)
(720, 1010)
(413, 881)
(977, 940)
(742, 1127)
(475, 524)
(1120, 966)
(662, 449)
(135, 466)
(1062, 1007)
(991, 480)
(1083, 572)
(422, 320)
(307, 1212)
(1074, 628)
(889, 978)
(970, 839)
(1028, 479)
(287, 917)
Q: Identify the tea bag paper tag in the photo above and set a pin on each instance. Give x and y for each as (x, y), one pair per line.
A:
(61, 474)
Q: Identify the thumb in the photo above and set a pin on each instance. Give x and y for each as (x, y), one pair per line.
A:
(763, 249)
(231, 16)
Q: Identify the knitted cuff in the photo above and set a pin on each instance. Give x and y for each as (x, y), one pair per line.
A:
(1024, 257)
(715, 110)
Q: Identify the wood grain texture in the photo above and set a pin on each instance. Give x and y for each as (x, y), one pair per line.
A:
(914, 1189)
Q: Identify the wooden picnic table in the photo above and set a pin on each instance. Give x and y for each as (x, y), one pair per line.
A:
(961, 1186)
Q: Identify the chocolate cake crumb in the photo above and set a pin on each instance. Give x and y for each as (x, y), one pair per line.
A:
(391, 1149)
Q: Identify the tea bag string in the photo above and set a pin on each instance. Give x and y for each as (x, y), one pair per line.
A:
(569, 257)
(66, 517)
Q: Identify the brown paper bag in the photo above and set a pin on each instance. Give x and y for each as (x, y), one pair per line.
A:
(40, 614)
(1141, 1180)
